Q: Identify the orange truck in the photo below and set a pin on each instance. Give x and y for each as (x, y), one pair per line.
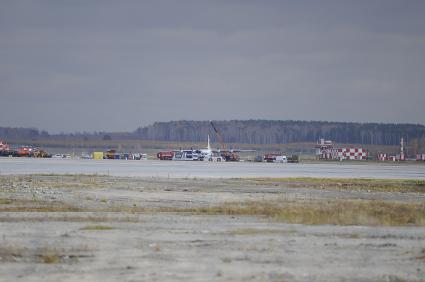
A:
(24, 151)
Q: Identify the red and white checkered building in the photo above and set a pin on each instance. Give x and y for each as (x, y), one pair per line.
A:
(350, 154)
(325, 151)
(420, 157)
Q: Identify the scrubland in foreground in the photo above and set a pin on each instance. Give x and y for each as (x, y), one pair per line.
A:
(92, 227)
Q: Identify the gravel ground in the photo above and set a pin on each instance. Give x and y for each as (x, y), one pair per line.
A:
(161, 246)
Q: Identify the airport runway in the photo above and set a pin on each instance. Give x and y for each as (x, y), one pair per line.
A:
(176, 169)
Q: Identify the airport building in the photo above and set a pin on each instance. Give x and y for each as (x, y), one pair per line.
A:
(326, 151)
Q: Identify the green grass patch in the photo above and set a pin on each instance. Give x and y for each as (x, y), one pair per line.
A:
(5, 201)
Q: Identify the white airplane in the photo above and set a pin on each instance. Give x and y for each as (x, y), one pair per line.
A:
(211, 155)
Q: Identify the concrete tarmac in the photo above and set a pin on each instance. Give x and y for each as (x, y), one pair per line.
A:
(194, 169)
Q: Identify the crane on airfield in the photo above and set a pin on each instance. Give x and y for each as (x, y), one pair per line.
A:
(227, 155)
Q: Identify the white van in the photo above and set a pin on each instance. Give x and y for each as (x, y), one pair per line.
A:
(281, 159)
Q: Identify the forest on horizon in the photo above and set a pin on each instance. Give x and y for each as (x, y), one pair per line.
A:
(246, 132)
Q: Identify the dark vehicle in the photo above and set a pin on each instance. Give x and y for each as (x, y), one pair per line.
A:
(259, 159)
(294, 159)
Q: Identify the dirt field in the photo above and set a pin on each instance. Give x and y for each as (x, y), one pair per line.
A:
(99, 228)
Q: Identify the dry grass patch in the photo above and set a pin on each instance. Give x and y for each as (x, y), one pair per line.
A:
(337, 212)
(97, 227)
(66, 218)
(57, 181)
(421, 255)
(259, 231)
(39, 206)
(361, 184)
(11, 253)
(49, 255)
(36, 205)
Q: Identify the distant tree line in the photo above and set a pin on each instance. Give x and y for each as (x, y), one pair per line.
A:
(32, 134)
(246, 132)
(21, 133)
(282, 132)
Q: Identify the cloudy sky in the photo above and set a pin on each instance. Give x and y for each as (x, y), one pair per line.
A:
(70, 66)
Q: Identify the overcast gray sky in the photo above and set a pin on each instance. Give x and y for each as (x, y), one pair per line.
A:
(70, 66)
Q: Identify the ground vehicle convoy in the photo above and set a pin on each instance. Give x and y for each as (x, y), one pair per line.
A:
(192, 155)
(200, 155)
(203, 154)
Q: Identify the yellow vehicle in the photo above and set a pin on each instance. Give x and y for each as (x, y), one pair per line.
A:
(39, 153)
